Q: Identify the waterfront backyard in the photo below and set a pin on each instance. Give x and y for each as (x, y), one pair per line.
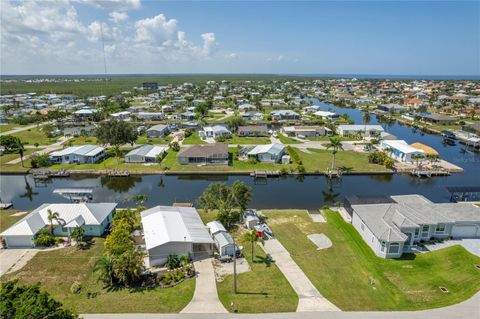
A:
(353, 278)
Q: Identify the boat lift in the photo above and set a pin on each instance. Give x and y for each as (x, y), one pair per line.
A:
(75, 195)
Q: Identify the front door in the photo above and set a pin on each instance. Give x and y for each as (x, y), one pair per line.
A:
(408, 242)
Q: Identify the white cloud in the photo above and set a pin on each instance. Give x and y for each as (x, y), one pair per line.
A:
(156, 30)
(117, 16)
(232, 56)
(35, 40)
(210, 45)
(117, 5)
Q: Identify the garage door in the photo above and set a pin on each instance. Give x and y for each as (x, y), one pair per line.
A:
(465, 231)
(19, 241)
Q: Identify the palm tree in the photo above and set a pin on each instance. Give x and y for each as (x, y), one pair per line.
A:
(335, 145)
(104, 268)
(252, 237)
(51, 217)
(366, 118)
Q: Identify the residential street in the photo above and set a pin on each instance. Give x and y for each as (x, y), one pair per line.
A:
(469, 309)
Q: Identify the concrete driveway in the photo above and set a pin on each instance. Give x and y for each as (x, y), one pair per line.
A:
(470, 244)
(14, 259)
(309, 298)
(205, 298)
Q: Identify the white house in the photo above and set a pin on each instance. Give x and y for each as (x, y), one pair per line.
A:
(271, 153)
(326, 115)
(399, 223)
(81, 154)
(401, 151)
(356, 129)
(158, 130)
(282, 115)
(247, 107)
(124, 115)
(150, 116)
(144, 154)
(175, 230)
(92, 217)
(215, 131)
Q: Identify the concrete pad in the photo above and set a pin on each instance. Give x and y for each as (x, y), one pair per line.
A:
(224, 269)
(470, 244)
(309, 297)
(14, 259)
(205, 298)
(318, 218)
(321, 240)
(19, 214)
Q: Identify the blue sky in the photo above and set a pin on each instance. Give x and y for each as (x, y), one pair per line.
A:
(360, 37)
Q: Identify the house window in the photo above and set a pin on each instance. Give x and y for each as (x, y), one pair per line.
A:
(440, 228)
(64, 230)
(383, 246)
(417, 232)
(394, 248)
(425, 230)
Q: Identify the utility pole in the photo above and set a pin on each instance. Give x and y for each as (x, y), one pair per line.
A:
(234, 266)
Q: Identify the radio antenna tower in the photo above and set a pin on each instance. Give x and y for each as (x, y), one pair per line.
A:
(104, 55)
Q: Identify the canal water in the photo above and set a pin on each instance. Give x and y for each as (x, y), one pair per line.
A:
(308, 192)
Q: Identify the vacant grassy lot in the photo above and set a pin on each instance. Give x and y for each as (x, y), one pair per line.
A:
(193, 139)
(247, 140)
(143, 139)
(287, 140)
(8, 127)
(321, 160)
(57, 270)
(353, 278)
(5, 158)
(34, 135)
(7, 220)
(81, 140)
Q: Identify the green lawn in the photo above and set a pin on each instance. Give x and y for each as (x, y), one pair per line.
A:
(287, 140)
(353, 278)
(35, 135)
(327, 138)
(8, 127)
(81, 140)
(5, 158)
(143, 139)
(235, 139)
(6, 218)
(264, 289)
(321, 160)
(57, 270)
(193, 139)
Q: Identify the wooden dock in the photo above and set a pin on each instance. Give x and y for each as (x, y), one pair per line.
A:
(265, 174)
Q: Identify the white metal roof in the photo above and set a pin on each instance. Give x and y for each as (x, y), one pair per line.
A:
(268, 148)
(85, 150)
(215, 227)
(90, 213)
(164, 224)
(358, 127)
(402, 146)
(325, 114)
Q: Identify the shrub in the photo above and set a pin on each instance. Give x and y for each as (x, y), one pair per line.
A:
(175, 146)
(76, 288)
(44, 238)
(300, 168)
(173, 262)
(294, 155)
(188, 132)
(40, 161)
(220, 139)
(283, 171)
(252, 160)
